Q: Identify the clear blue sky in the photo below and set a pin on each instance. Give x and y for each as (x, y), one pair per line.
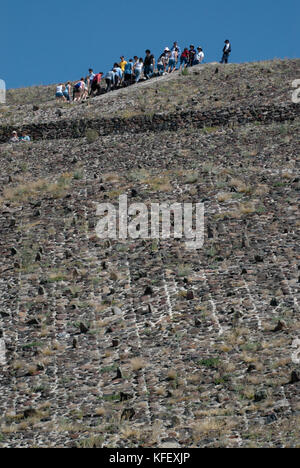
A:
(49, 42)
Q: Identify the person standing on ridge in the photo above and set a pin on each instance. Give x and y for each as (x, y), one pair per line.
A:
(135, 60)
(128, 73)
(184, 58)
(226, 51)
(173, 57)
(166, 58)
(149, 64)
(160, 65)
(192, 54)
(176, 47)
(91, 77)
(122, 64)
(118, 76)
(199, 56)
(138, 68)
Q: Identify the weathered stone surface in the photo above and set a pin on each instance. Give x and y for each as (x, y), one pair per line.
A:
(177, 344)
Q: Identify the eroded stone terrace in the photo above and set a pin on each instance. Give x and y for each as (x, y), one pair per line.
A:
(144, 343)
(205, 87)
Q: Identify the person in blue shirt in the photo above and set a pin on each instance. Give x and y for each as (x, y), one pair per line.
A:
(119, 75)
(91, 74)
(128, 73)
(24, 136)
(110, 79)
(67, 91)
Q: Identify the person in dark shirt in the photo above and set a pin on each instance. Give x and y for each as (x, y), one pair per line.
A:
(192, 54)
(226, 51)
(149, 64)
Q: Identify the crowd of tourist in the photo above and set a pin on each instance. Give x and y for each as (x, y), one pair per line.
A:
(126, 73)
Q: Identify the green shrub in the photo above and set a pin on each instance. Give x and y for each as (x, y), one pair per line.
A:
(212, 363)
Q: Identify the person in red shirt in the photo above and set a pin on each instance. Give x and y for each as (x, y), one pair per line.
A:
(184, 58)
(96, 84)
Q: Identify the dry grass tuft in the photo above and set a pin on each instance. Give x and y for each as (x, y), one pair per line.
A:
(137, 364)
(239, 186)
(247, 208)
(224, 197)
(172, 374)
(34, 189)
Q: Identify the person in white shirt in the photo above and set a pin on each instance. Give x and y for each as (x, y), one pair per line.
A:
(199, 56)
(138, 68)
(165, 58)
(59, 93)
(14, 137)
(160, 65)
(91, 76)
(173, 57)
